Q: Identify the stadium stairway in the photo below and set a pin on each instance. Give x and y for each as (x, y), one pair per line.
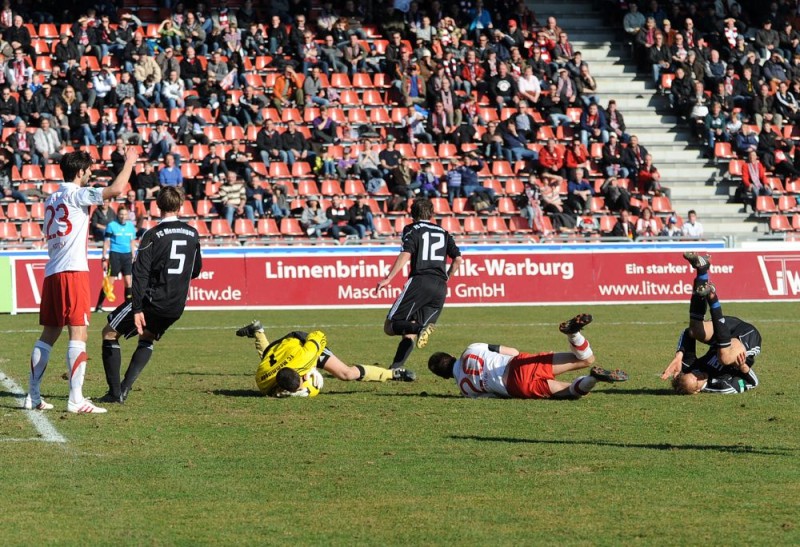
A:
(694, 181)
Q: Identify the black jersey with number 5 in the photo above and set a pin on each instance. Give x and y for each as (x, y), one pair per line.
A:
(167, 260)
(429, 245)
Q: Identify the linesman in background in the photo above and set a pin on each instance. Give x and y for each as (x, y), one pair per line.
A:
(118, 248)
(167, 260)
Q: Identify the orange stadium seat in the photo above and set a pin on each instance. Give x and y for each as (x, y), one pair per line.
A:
(779, 223)
(452, 225)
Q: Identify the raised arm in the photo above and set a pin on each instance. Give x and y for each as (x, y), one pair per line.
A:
(118, 186)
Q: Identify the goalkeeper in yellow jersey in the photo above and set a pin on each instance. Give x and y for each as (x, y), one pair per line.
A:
(289, 364)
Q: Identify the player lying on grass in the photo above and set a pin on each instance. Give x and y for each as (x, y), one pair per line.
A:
(487, 370)
(168, 259)
(733, 344)
(303, 353)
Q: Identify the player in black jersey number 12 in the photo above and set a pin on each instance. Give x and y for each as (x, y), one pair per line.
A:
(167, 260)
(427, 247)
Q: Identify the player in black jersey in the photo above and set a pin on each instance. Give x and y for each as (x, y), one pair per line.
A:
(727, 366)
(167, 260)
(427, 247)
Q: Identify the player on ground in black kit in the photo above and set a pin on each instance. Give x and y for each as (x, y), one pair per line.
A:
(427, 246)
(167, 260)
(734, 344)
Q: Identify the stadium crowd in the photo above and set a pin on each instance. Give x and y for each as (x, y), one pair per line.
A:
(732, 73)
(299, 120)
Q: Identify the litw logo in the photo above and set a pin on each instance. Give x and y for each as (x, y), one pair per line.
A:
(781, 274)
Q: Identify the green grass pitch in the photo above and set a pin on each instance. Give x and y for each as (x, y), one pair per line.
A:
(196, 457)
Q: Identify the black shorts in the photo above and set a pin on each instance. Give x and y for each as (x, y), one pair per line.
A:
(121, 320)
(747, 334)
(421, 301)
(120, 263)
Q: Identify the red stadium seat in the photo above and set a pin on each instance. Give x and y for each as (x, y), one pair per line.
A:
(31, 231)
(17, 211)
(765, 205)
(383, 226)
(267, 227)
(290, 227)
(221, 229)
(497, 225)
(451, 224)
(787, 204)
(474, 225)
(244, 228)
(779, 223)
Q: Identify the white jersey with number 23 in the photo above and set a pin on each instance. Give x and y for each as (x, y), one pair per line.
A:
(479, 372)
(66, 227)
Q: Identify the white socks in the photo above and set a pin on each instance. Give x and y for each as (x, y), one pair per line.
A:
(39, 358)
(580, 346)
(582, 385)
(76, 369)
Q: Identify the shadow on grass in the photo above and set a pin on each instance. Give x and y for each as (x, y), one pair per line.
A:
(728, 449)
(254, 393)
(211, 374)
(640, 391)
(422, 394)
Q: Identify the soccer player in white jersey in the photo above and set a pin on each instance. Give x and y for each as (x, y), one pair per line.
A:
(66, 300)
(488, 370)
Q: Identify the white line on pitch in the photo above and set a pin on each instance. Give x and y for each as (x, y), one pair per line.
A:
(40, 422)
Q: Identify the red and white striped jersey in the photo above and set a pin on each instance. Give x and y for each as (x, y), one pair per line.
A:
(479, 372)
(66, 227)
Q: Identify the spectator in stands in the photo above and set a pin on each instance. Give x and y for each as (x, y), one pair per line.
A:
(47, 143)
(528, 85)
(250, 105)
(698, 104)
(148, 91)
(134, 51)
(715, 128)
(21, 144)
(659, 58)
(776, 69)
(516, 144)
(492, 141)
(566, 89)
(692, 227)
(563, 51)
(389, 157)
(551, 160)
(269, 144)
(278, 202)
(633, 21)
(616, 194)
(746, 141)
(19, 37)
(323, 128)
(194, 35)
(339, 215)
(579, 193)
(170, 174)
(355, 55)
(646, 226)
(213, 165)
(553, 108)
(788, 40)
(313, 220)
(254, 40)
(80, 126)
(254, 198)
(287, 90)
(413, 87)
(611, 161)
(576, 156)
(160, 141)
(191, 70)
(190, 127)
(649, 179)
(294, 143)
(333, 55)
(27, 107)
(314, 90)
(7, 189)
(233, 199)
(624, 227)
(401, 179)
(66, 52)
(671, 229)
(172, 90)
(101, 217)
(439, 125)
(680, 92)
(9, 109)
(587, 86)
(503, 89)
(415, 126)
(147, 186)
(765, 109)
(118, 156)
(361, 217)
(229, 112)
(480, 19)
(426, 184)
(593, 125)
(754, 182)
(767, 40)
(237, 159)
(633, 156)
(310, 55)
(127, 128)
(562, 218)
(646, 38)
(786, 103)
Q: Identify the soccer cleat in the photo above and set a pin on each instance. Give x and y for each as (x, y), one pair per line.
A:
(705, 289)
(575, 324)
(110, 398)
(99, 309)
(403, 375)
(251, 329)
(603, 375)
(41, 405)
(85, 407)
(424, 335)
(699, 262)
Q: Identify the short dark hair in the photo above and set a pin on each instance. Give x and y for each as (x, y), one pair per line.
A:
(441, 364)
(288, 379)
(422, 209)
(169, 199)
(74, 162)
